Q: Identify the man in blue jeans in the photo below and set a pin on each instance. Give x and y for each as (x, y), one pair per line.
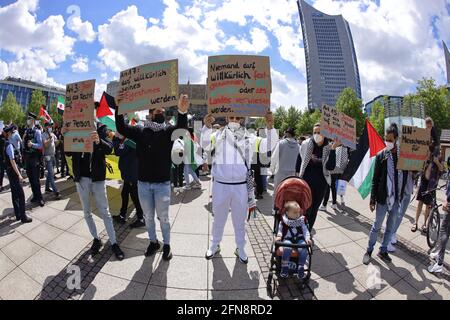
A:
(386, 195)
(154, 149)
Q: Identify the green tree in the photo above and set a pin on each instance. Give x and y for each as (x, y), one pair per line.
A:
(307, 121)
(37, 100)
(279, 117)
(10, 110)
(351, 105)
(377, 117)
(53, 112)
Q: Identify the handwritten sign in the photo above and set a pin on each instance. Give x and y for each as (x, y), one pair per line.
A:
(337, 125)
(149, 86)
(239, 85)
(413, 148)
(79, 116)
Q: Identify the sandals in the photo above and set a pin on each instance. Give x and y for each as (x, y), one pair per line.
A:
(414, 228)
(424, 229)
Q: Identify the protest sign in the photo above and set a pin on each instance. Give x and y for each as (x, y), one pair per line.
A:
(413, 148)
(337, 125)
(148, 86)
(79, 119)
(239, 85)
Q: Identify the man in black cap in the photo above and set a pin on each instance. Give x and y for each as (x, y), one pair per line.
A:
(10, 155)
(32, 154)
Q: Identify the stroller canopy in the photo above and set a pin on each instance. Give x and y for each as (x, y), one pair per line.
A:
(293, 189)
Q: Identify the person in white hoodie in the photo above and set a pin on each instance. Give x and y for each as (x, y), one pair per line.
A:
(232, 152)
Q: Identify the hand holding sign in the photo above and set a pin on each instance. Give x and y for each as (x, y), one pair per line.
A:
(337, 143)
(95, 138)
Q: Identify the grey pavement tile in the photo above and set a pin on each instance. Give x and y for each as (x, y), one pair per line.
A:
(81, 229)
(137, 239)
(20, 250)
(19, 286)
(64, 221)
(106, 287)
(342, 286)
(6, 265)
(336, 218)
(45, 213)
(24, 228)
(349, 255)
(67, 245)
(43, 234)
(331, 237)
(186, 223)
(192, 245)
(401, 291)
(44, 266)
(135, 267)
(230, 274)
(65, 202)
(375, 277)
(8, 235)
(163, 293)
(324, 264)
(228, 247)
(181, 273)
(242, 295)
(424, 282)
(321, 223)
(443, 293)
(355, 231)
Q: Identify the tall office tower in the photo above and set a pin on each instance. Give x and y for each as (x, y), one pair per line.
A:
(447, 62)
(331, 64)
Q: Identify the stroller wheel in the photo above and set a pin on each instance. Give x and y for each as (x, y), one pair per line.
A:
(271, 286)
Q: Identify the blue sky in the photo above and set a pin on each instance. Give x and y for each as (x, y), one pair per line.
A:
(397, 42)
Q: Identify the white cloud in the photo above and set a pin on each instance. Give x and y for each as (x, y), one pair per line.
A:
(38, 46)
(80, 65)
(84, 30)
(287, 91)
(259, 42)
(99, 88)
(3, 69)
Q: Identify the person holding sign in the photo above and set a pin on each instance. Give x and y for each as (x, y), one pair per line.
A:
(89, 174)
(154, 149)
(318, 158)
(232, 150)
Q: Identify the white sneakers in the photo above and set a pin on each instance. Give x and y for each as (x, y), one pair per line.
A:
(240, 253)
(211, 252)
(334, 206)
(436, 268)
(390, 247)
(342, 201)
(434, 255)
(323, 208)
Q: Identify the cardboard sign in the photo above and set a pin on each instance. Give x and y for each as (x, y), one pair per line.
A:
(79, 117)
(413, 148)
(337, 125)
(239, 85)
(149, 86)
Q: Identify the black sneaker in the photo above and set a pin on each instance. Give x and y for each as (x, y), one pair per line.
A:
(33, 200)
(152, 248)
(41, 203)
(57, 196)
(48, 191)
(120, 219)
(117, 252)
(384, 256)
(96, 246)
(137, 224)
(167, 253)
(366, 258)
(27, 220)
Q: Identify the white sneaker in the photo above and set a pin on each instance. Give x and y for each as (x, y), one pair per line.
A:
(334, 207)
(196, 185)
(323, 208)
(390, 248)
(394, 239)
(240, 253)
(434, 255)
(342, 201)
(187, 187)
(436, 268)
(211, 252)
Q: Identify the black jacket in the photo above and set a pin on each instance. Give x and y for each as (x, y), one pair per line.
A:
(153, 148)
(379, 182)
(97, 158)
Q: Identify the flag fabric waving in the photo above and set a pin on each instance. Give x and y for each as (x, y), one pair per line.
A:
(61, 105)
(360, 168)
(44, 114)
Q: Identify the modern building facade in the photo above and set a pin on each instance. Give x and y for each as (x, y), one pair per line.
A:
(390, 104)
(447, 63)
(22, 90)
(331, 63)
(112, 87)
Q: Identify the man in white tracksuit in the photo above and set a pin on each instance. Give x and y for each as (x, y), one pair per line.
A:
(229, 172)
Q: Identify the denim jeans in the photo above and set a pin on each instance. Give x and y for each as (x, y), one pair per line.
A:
(444, 234)
(50, 181)
(85, 188)
(155, 197)
(401, 212)
(302, 255)
(189, 171)
(381, 211)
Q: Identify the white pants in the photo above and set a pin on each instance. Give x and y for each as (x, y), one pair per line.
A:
(224, 198)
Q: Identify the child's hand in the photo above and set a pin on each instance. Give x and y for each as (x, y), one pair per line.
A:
(278, 239)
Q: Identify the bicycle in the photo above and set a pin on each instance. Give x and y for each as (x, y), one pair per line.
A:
(434, 219)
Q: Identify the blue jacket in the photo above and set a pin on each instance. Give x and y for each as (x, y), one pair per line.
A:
(128, 161)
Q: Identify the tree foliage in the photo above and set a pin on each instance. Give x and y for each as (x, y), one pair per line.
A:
(37, 100)
(10, 110)
(377, 117)
(351, 105)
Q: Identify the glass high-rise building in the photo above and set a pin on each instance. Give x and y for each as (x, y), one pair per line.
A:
(447, 62)
(331, 64)
(22, 90)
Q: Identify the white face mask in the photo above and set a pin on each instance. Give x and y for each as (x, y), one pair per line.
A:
(389, 145)
(234, 126)
(318, 138)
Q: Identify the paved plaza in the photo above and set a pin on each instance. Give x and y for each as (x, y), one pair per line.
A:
(42, 260)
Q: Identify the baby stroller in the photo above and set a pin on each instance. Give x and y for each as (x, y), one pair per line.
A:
(290, 189)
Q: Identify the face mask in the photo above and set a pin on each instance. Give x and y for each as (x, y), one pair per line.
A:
(389, 145)
(159, 118)
(318, 138)
(234, 126)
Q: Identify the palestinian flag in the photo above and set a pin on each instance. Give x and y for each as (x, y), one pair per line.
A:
(43, 114)
(61, 105)
(359, 171)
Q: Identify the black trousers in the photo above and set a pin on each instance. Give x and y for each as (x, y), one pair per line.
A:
(318, 185)
(2, 171)
(259, 182)
(178, 175)
(131, 189)
(32, 166)
(17, 195)
(334, 178)
(64, 166)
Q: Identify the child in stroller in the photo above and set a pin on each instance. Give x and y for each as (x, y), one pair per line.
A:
(292, 229)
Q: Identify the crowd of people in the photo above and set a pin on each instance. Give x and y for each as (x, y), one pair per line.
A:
(158, 158)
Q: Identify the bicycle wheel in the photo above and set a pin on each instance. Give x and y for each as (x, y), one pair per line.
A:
(434, 223)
